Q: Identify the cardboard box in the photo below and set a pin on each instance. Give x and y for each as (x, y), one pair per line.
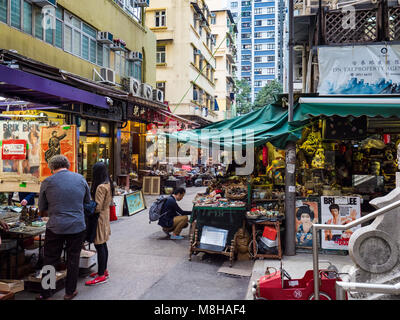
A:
(13, 286)
(87, 259)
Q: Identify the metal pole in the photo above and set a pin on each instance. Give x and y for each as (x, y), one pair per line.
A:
(290, 170)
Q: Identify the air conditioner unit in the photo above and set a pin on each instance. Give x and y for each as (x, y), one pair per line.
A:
(146, 91)
(105, 37)
(158, 95)
(132, 85)
(108, 76)
(42, 3)
(135, 56)
(143, 3)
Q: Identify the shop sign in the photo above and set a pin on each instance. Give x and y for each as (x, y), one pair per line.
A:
(339, 211)
(13, 150)
(367, 69)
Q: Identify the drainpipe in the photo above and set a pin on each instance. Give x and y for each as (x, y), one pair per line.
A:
(290, 172)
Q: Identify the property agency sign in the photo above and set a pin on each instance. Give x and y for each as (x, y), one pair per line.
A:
(366, 69)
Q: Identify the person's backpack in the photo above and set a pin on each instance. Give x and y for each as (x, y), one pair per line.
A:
(156, 208)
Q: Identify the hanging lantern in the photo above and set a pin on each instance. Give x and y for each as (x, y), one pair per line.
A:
(265, 156)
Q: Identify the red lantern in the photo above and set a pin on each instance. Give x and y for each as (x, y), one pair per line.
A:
(265, 156)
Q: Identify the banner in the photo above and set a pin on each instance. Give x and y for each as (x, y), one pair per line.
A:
(365, 69)
(20, 147)
(339, 211)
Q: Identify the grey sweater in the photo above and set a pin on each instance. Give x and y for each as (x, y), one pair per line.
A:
(63, 195)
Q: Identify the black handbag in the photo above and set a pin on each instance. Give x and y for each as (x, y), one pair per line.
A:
(91, 220)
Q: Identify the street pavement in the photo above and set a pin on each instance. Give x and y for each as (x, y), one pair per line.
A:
(145, 265)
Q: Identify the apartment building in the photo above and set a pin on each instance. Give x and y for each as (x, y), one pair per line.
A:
(100, 34)
(260, 41)
(185, 63)
(83, 58)
(224, 31)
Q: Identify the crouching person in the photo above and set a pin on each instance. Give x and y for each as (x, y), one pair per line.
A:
(173, 219)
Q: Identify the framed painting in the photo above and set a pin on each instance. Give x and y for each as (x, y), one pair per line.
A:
(134, 203)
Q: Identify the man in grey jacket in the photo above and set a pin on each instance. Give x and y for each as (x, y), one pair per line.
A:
(61, 197)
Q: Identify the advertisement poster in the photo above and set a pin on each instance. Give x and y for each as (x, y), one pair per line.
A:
(364, 69)
(338, 210)
(28, 148)
(55, 141)
(307, 213)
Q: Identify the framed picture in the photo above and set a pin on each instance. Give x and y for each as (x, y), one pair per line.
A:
(134, 203)
(307, 213)
(338, 210)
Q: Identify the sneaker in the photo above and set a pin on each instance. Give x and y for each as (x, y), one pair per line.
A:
(96, 281)
(95, 274)
(174, 237)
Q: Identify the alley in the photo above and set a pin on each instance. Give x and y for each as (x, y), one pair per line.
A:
(145, 265)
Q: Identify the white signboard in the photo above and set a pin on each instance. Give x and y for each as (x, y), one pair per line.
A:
(339, 211)
(365, 69)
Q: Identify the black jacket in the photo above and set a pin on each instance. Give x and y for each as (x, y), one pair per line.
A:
(170, 210)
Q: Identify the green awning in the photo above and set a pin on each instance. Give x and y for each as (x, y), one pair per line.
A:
(343, 107)
(270, 124)
(266, 124)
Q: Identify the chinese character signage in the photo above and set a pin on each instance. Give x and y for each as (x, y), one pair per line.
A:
(366, 69)
(339, 211)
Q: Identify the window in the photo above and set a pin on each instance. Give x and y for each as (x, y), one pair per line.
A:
(258, 11)
(246, 46)
(258, 23)
(246, 68)
(234, 4)
(258, 47)
(246, 3)
(3, 10)
(271, 46)
(257, 59)
(245, 24)
(270, 22)
(258, 71)
(246, 35)
(38, 24)
(16, 13)
(160, 19)
(271, 10)
(270, 58)
(246, 57)
(213, 18)
(258, 83)
(246, 14)
(27, 17)
(160, 54)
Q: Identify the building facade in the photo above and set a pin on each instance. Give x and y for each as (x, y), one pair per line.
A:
(260, 41)
(224, 31)
(185, 62)
(90, 49)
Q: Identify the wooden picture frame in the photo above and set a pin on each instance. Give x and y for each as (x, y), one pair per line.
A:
(134, 203)
(146, 185)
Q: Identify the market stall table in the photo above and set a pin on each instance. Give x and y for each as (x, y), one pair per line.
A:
(228, 218)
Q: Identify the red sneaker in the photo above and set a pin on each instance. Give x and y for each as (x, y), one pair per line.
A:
(96, 281)
(95, 274)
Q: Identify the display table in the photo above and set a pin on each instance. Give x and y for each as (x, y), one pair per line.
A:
(277, 226)
(227, 218)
